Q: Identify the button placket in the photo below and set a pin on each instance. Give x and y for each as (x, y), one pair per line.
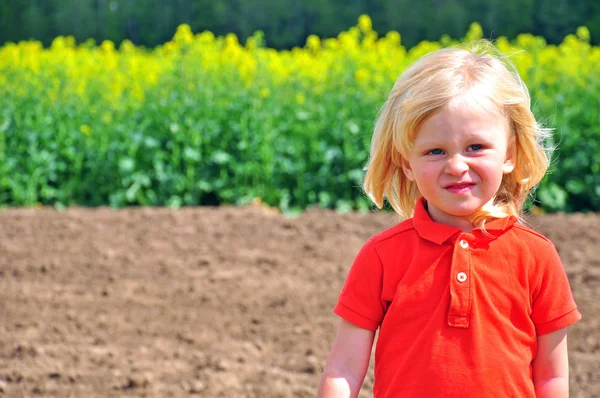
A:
(459, 312)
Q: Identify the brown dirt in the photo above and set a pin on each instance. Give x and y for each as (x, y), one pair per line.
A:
(212, 302)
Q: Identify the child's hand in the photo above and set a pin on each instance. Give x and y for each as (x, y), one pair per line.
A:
(347, 363)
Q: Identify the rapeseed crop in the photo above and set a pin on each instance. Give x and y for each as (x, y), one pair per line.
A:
(209, 120)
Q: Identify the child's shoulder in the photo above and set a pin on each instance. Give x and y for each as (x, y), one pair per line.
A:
(394, 231)
(529, 235)
(526, 239)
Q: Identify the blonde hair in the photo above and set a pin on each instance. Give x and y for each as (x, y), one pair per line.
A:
(433, 82)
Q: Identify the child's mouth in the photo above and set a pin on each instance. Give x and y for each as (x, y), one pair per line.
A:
(459, 188)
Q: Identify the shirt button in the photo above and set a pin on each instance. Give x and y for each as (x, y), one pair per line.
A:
(464, 244)
(461, 277)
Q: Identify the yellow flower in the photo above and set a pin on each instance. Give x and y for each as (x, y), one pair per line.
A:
(393, 38)
(364, 23)
(183, 35)
(127, 46)
(525, 40)
(265, 92)
(362, 75)
(313, 42)
(85, 129)
(58, 43)
(231, 40)
(475, 32)
(583, 33)
(108, 46)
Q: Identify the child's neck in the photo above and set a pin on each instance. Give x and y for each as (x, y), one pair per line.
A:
(462, 223)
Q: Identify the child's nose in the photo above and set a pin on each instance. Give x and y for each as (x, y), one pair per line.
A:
(456, 165)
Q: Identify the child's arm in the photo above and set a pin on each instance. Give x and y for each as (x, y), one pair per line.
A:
(347, 362)
(551, 365)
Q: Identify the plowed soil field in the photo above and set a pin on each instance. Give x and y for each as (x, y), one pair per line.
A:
(210, 302)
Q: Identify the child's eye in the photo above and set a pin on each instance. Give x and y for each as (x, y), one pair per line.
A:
(476, 147)
(436, 151)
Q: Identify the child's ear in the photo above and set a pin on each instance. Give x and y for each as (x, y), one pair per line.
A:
(509, 163)
(508, 167)
(408, 172)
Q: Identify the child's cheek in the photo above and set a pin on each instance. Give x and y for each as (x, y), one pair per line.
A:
(488, 168)
(430, 172)
(427, 177)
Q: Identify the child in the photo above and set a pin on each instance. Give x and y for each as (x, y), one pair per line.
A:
(469, 302)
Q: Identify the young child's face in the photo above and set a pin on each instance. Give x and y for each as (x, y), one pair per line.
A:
(459, 156)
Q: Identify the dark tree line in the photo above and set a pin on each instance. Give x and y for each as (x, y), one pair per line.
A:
(287, 23)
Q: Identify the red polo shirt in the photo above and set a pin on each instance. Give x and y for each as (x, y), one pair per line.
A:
(458, 312)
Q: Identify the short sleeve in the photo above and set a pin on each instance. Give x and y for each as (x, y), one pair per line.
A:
(553, 305)
(360, 301)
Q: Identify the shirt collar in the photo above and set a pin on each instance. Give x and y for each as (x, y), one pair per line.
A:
(440, 233)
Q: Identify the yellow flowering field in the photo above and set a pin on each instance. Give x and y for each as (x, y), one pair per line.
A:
(209, 120)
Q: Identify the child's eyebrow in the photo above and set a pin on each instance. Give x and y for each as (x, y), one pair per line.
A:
(430, 143)
(471, 139)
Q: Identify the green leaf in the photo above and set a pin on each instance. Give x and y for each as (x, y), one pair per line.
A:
(552, 197)
(126, 165)
(174, 202)
(343, 206)
(191, 154)
(221, 158)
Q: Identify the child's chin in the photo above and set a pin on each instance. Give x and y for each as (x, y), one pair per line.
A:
(463, 212)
